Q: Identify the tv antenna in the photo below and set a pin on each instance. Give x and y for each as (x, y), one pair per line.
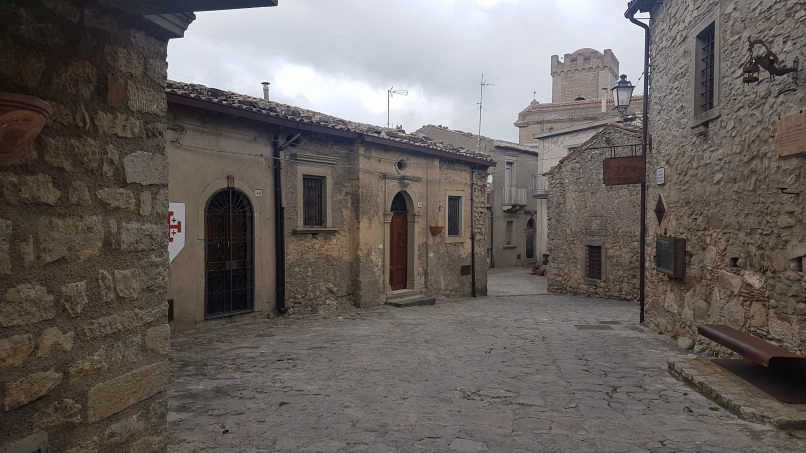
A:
(481, 98)
(390, 92)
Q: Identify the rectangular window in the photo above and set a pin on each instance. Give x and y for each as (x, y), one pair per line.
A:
(509, 231)
(313, 201)
(593, 262)
(454, 216)
(705, 68)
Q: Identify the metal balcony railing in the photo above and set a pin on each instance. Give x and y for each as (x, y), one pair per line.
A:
(539, 186)
(514, 196)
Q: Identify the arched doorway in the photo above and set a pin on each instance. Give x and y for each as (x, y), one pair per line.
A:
(229, 255)
(399, 244)
(530, 239)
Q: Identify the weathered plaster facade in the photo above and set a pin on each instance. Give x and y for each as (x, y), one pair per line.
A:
(516, 217)
(585, 213)
(345, 259)
(745, 238)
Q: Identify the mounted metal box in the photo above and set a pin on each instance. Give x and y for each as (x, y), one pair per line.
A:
(670, 256)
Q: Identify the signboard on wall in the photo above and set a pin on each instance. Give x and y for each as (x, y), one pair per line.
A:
(176, 229)
(791, 134)
(619, 171)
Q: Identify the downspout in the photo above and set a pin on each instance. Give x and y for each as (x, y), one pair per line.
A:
(279, 225)
(473, 233)
(632, 8)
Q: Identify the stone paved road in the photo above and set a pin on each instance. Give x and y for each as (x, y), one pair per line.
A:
(517, 371)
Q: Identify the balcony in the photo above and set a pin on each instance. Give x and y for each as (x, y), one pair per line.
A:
(514, 198)
(539, 187)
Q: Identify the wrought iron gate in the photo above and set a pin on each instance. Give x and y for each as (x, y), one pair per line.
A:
(229, 258)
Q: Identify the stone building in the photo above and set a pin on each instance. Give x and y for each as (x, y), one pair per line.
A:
(581, 105)
(732, 157)
(515, 197)
(83, 203)
(371, 214)
(593, 229)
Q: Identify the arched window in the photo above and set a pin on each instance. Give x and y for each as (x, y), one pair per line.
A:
(530, 239)
(229, 254)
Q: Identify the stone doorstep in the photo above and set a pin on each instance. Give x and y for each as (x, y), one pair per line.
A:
(408, 298)
(737, 395)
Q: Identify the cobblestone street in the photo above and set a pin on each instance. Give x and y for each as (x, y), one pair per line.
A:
(516, 371)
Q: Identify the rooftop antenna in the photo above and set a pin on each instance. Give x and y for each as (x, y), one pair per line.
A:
(392, 91)
(481, 98)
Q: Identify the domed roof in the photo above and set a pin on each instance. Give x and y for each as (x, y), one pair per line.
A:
(586, 53)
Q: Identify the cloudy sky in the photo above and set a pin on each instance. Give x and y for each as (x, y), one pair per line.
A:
(341, 57)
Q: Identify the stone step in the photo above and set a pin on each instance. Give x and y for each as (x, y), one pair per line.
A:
(412, 302)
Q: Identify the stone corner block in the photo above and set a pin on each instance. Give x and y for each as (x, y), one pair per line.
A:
(30, 388)
(113, 396)
(146, 168)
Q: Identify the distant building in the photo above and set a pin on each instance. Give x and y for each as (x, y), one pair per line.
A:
(581, 105)
(592, 228)
(515, 197)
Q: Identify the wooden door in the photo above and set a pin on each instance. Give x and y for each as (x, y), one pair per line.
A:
(398, 253)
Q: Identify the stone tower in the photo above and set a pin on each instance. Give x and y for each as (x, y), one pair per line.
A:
(583, 75)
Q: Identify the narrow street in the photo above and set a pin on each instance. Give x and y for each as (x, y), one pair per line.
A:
(517, 371)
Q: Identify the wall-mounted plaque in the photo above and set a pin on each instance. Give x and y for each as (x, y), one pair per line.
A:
(660, 176)
(791, 134)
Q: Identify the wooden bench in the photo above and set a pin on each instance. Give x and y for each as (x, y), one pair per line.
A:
(752, 348)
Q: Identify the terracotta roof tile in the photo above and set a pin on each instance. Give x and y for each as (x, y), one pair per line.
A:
(298, 114)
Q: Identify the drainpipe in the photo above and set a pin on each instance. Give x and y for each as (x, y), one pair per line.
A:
(279, 225)
(632, 8)
(472, 233)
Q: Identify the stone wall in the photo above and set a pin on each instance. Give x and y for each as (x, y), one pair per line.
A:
(320, 263)
(83, 261)
(745, 239)
(583, 211)
(583, 73)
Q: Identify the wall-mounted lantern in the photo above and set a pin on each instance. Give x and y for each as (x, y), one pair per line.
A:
(768, 60)
(21, 119)
(622, 95)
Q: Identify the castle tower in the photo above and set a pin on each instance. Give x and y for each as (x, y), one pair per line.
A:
(583, 75)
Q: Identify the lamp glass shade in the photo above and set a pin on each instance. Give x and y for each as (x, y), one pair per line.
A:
(622, 92)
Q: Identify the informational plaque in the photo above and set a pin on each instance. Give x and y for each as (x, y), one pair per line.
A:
(792, 134)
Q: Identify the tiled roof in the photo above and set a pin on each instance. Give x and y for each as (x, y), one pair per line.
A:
(309, 117)
(535, 106)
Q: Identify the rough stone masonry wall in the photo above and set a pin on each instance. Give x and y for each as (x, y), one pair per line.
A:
(319, 267)
(582, 210)
(745, 240)
(83, 264)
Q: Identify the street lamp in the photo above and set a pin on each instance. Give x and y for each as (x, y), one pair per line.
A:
(622, 95)
(390, 92)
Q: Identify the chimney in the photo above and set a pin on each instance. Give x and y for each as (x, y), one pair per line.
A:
(266, 90)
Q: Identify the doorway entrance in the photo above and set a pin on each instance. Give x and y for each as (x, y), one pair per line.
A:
(399, 244)
(229, 255)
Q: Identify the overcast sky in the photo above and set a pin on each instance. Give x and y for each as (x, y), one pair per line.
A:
(341, 57)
